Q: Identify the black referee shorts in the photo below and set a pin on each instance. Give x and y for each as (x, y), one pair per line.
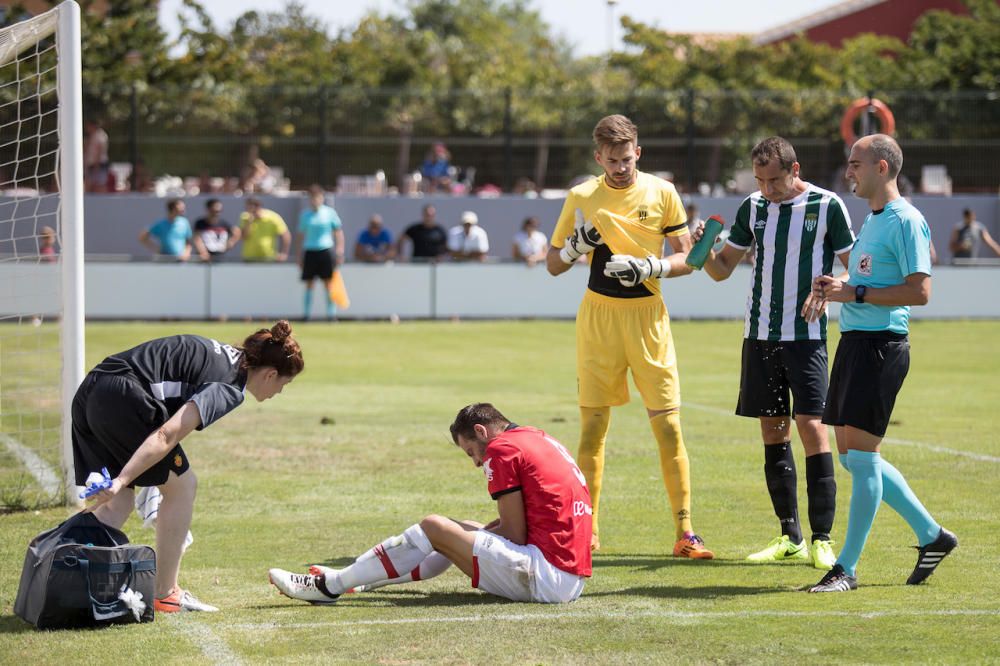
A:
(317, 264)
(112, 416)
(772, 370)
(868, 372)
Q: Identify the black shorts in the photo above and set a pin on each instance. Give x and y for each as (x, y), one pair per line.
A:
(318, 264)
(112, 416)
(772, 370)
(868, 372)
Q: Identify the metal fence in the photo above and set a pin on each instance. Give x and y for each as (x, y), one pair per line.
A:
(510, 137)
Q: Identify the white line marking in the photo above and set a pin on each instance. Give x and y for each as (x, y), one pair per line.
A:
(210, 644)
(47, 479)
(679, 615)
(982, 457)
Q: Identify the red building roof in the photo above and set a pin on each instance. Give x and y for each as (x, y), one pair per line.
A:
(844, 20)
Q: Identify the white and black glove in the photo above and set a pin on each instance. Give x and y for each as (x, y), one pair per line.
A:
(631, 271)
(583, 240)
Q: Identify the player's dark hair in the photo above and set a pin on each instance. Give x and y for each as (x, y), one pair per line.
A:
(774, 148)
(253, 201)
(884, 147)
(479, 413)
(273, 348)
(615, 130)
(211, 202)
(173, 205)
(530, 220)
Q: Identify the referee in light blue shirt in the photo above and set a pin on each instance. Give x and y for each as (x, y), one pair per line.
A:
(321, 242)
(889, 270)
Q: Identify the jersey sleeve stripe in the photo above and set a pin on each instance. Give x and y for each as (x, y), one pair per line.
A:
(674, 228)
(500, 493)
(737, 246)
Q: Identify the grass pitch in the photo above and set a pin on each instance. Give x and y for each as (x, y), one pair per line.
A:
(279, 487)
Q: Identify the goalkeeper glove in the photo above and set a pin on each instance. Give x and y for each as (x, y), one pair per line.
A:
(582, 241)
(631, 271)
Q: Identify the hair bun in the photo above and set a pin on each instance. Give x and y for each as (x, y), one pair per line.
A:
(281, 331)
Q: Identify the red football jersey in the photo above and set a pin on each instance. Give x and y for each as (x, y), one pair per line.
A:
(556, 500)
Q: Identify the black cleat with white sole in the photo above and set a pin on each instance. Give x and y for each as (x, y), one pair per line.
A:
(835, 580)
(931, 555)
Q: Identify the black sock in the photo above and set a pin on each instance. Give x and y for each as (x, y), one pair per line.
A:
(821, 486)
(779, 471)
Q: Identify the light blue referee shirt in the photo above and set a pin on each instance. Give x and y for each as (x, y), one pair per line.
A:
(892, 244)
(317, 226)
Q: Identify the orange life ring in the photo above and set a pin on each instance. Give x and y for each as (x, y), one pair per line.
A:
(859, 106)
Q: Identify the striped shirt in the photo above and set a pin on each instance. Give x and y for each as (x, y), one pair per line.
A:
(794, 241)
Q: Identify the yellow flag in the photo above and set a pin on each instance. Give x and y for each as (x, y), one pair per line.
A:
(338, 291)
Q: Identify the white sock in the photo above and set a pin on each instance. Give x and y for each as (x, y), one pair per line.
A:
(396, 554)
(433, 565)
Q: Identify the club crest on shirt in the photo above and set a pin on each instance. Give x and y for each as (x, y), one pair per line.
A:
(643, 213)
(865, 264)
(812, 219)
(487, 470)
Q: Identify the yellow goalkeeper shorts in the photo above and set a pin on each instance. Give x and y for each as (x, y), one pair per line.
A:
(615, 334)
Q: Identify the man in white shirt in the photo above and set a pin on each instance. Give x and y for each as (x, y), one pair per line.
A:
(468, 241)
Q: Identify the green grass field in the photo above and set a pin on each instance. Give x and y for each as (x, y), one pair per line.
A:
(278, 488)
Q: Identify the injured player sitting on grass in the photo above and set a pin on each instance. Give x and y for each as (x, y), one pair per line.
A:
(537, 550)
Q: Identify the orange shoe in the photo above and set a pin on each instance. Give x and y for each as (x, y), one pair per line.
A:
(179, 601)
(691, 545)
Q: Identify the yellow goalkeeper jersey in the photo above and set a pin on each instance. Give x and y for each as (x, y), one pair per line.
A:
(633, 220)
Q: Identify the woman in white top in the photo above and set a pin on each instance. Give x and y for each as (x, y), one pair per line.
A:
(530, 244)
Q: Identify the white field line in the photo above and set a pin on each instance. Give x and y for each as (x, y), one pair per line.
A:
(624, 615)
(38, 468)
(981, 457)
(213, 647)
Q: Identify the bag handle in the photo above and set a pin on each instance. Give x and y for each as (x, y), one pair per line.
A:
(104, 528)
(106, 609)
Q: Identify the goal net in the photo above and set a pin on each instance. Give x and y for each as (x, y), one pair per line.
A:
(41, 255)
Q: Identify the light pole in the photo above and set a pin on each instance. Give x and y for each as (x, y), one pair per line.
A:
(611, 25)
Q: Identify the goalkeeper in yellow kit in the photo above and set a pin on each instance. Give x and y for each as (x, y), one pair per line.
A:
(621, 219)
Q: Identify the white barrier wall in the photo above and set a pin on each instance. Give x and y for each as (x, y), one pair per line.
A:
(412, 291)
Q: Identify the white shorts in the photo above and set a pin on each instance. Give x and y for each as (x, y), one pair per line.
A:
(520, 573)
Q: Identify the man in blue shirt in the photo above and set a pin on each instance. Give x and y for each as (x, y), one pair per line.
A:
(374, 242)
(321, 237)
(889, 270)
(171, 236)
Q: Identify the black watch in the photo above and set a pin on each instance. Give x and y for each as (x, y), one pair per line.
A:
(859, 293)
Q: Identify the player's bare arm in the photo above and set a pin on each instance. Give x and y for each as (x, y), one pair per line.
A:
(512, 524)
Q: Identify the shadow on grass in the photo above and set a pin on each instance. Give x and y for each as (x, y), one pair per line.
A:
(655, 562)
(12, 624)
(332, 562)
(400, 599)
(675, 592)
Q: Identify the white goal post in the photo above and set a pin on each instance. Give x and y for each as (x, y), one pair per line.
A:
(41, 181)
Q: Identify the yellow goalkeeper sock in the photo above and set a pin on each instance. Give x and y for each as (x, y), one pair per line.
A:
(675, 469)
(594, 423)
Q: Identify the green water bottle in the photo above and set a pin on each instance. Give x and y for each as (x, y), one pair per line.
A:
(699, 253)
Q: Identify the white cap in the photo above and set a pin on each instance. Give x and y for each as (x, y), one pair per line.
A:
(468, 217)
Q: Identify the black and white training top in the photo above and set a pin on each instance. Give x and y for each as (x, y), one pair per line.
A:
(185, 368)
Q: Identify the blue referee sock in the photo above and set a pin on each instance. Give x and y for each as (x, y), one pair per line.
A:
(331, 307)
(897, 494)
(866, 495)
(307, 303)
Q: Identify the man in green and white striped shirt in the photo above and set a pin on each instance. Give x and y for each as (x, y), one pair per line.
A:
(796, 230)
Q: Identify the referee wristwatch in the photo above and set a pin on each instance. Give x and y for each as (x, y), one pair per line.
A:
(859, 293)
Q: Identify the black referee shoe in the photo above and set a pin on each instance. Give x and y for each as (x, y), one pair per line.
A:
(835, 580)
(931, 555)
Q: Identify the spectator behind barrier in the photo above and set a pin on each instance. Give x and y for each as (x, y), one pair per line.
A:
(214, 236)
(436, 169)
(468, 241)
(171, 236)
(530, 245)
(374, 244)
(429, 239)
(262, 230)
